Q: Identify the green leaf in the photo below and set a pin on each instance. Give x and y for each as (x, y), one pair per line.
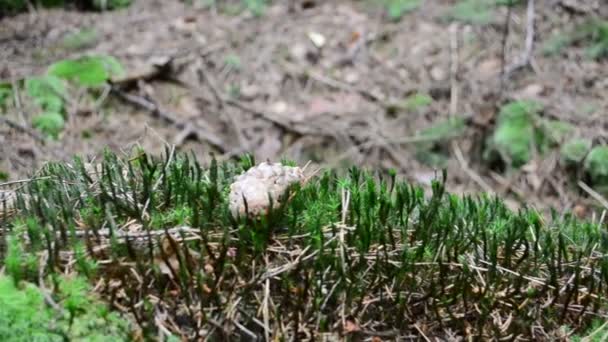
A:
(575, 150)
(47, 91)
(50, 123)
(87, 71)
(416, 101)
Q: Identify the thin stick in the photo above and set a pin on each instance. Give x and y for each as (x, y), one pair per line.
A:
(472, 174)
(422, 333)
(265, 310)
(454, 62)
(594, 194)
(503, 57)
(526, 57)
(22, 129)
(171, 118)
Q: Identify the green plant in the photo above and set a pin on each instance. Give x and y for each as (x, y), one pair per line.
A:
(516, 133)
(26, 317)
(12, 6)
(472, 11)
(597, 332)
(16, 6)
(103, 5)
(555, 132)
(596, 165)
(478, 12)
(432, 148)
(87, 71)
(416, 101)
(256, 7)
(397, 8)
(574, 151)
(49, 123)
(593, 33)
(50, 91)
(357, 242)
(6, 94)
(47, 92)
(233, 61)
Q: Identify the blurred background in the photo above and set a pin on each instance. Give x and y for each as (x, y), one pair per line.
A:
(509, 96)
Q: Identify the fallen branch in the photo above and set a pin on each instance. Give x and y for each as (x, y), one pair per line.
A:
(169, 117)
(23, 129)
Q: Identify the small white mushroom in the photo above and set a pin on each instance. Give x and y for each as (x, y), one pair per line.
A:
(258, 183)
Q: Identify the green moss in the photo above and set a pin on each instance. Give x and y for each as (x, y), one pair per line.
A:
(49, 123)
(26, 317)
(596, 165)
(516, 134)
(340, 240)
(575, 150)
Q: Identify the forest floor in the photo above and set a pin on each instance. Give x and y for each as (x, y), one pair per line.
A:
(332, 82)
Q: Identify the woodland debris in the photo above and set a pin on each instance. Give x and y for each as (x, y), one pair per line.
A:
(253, 191)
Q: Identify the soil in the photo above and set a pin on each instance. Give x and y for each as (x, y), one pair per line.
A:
(312, 81)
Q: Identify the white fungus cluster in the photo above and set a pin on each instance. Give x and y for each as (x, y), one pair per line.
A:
(259, 184)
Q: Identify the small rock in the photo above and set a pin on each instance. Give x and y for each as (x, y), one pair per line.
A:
(530, 92)
(298, 52)
(351, 77)
(438, 73)
(489, 68)
(317, 39)
(249, 92)
(279, 107)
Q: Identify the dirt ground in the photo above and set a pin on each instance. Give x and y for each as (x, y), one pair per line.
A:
(315, 82)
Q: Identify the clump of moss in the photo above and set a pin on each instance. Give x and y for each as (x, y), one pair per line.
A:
(375, 248)
(25, 316)
(596, 165)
